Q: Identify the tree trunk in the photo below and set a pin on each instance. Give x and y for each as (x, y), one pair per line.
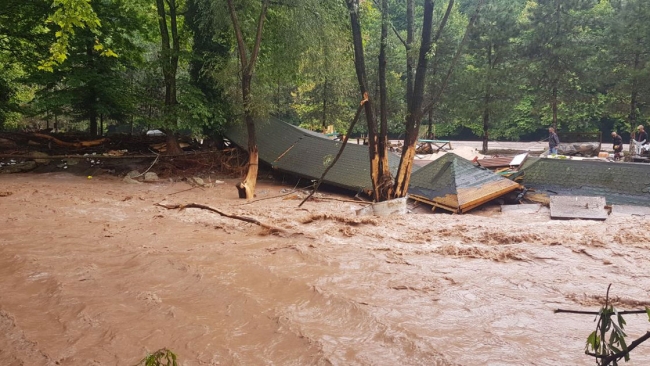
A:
(385, 179)
(101, 125)
(415, 109)
(93, 122)
(91, 102)
(173, 147)
(486, 101)
(246, 188)
(173, 67)
(170, 53)
(486, 124)
(167, 57)
(360, 67)
(554, 107)
(414, 113)
(324, 117)
(410, 62)
(632, 118)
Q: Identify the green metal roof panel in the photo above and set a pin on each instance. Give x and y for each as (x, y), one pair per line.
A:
(274, 137)
(312, 155)
(619, 183)
(449, 174)
(304, 153)
(434, 179)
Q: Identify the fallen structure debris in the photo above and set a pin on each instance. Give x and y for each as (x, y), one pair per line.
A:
(455, 184)
(618, 183)
(578, 207)
(386, 208)
(307, 154)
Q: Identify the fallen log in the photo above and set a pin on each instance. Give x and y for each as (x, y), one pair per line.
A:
(77, 145)
(100, 156)
(272, 229)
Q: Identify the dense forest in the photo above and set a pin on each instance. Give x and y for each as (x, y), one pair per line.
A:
(503, 69)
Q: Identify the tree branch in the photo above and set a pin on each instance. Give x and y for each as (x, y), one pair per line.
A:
(617, 356)
(443, 23)
(459, 51)
(345, 141)
(236, 217)
(238, 34)
(258, 36)
(392, 26)
(597, 312)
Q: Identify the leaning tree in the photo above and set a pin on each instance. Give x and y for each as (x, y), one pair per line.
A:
(384, 185)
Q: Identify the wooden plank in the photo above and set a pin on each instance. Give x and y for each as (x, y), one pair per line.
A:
(434, 204)
(485, 199)
(578, 207)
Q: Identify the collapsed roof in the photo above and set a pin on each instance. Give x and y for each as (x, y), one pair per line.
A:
(619, 183)
(307, 154)
(450, 182)
(457, 185)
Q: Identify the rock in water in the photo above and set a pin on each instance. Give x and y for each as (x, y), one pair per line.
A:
(150, 177)
(130, 180)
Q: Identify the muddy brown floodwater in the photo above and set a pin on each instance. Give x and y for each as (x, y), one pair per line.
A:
(93, 273)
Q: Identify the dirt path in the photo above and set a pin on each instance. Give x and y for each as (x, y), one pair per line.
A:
(93, 273)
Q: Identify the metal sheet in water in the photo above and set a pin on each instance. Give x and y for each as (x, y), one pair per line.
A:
(578, 207)
(387, 208)
(630, 210)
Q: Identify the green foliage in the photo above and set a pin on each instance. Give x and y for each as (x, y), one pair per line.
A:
(87, 86)
(607, 343)
(490, 81)
(598, 341)
(557, 48)
(205, 96)
(624, 62)
(162, 357)
(594, 54)
(69, 16)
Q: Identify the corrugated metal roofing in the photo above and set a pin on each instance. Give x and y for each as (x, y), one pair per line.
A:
(306, 154)
(455, 184)
(619, 183)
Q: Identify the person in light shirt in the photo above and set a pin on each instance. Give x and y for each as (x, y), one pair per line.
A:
(640, 139)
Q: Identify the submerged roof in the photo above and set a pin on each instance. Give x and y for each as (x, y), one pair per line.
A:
(307, 154)
(457, 185)
(619, 183)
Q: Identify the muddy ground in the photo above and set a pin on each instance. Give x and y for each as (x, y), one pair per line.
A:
(93, 272)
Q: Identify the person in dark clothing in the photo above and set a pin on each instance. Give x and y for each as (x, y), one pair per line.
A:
(618, 145)
(553, 141)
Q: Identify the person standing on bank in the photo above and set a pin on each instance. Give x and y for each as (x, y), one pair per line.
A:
(553, 141)
(618, 145)
(640, 139)
(642, 136)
